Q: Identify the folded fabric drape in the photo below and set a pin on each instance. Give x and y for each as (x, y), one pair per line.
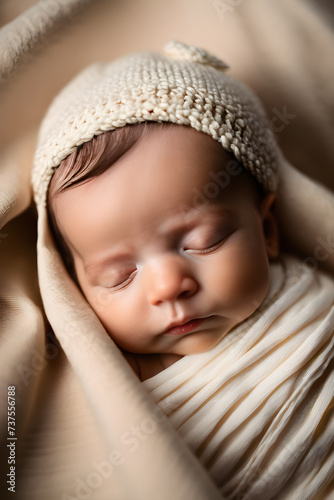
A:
(22, 36)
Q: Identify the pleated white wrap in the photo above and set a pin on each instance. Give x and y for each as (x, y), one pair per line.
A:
(258, 408)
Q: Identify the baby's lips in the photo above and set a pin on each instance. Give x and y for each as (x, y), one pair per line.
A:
(180, 50)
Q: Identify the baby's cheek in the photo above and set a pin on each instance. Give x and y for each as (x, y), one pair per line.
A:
(103, 300)
(118, 311)
(240, 281)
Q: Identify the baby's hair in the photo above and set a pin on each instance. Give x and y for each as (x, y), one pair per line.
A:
(95, 157)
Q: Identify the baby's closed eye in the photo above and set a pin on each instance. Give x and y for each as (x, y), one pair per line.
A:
(205, 241)
(119, 278)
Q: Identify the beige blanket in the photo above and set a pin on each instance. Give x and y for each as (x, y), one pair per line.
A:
(83, 426)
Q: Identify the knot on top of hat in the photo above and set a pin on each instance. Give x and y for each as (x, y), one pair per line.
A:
(180, 50)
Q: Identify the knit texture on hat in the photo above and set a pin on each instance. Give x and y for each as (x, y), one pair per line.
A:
(187, 87)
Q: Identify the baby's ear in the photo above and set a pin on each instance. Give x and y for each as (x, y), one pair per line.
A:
(269, 225)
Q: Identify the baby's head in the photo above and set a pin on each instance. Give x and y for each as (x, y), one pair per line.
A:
(174, 230)
(167, 233)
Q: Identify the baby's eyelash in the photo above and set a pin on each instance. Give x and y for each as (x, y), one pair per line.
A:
(211, 248)
(123, 284)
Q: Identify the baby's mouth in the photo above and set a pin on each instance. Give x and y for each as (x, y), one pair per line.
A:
(184, 328)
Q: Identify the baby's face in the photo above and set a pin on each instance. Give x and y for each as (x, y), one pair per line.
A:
(170, 235)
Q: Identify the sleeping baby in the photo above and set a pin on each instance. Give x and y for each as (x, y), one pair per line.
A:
(161, 199)
(177, 275)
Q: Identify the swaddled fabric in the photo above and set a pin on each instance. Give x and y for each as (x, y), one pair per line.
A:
(257, 409)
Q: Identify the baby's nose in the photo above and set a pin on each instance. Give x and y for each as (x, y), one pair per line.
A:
(170, 279)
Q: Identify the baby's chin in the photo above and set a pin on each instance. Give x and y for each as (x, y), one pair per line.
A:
(197, 343)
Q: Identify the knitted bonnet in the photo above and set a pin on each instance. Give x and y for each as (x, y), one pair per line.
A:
(187, 86)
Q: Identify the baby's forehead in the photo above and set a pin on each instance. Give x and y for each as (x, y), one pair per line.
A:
(189, 147)
(156, 170)
(176, 153)
(183, 143)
